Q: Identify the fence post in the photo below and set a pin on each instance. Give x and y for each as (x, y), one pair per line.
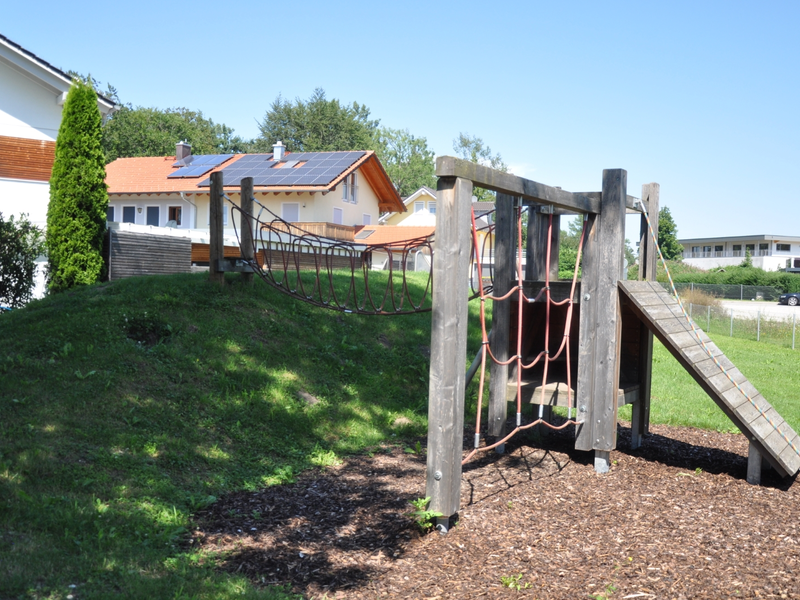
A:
(246, 224)
(758, 328)
(216, 240)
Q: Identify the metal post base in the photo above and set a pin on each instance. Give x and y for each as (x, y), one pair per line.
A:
(602, 461)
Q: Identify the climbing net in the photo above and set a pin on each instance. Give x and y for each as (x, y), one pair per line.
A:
(338, 274)
(544, 358)
(696, 332)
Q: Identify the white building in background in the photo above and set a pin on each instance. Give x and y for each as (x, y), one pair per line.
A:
(769, 252)
(32, 96)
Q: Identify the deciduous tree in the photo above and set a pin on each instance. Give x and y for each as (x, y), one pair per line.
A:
(317, 125)
(407, 159)
(76, 214)
(474, 149)
(154, 132)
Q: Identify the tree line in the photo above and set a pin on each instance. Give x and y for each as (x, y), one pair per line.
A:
(316, 124)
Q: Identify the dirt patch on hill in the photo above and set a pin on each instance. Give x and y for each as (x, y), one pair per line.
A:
(673, 519)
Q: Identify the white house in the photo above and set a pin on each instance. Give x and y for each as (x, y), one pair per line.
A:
(331, 194)
(769, 252)
(33, 93)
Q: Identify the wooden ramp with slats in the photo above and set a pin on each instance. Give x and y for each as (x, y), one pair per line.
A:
(768, 433)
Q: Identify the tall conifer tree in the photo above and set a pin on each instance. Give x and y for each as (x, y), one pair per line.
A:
(76, 215)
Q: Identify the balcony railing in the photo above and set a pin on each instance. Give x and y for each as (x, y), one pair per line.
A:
(730, 253)
(333, 231)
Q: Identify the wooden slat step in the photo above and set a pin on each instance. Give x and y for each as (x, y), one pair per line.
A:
(730, 389)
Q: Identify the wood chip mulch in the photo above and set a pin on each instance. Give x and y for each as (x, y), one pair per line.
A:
(673, 519)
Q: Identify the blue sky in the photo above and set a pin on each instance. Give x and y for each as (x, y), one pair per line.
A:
(700, 97)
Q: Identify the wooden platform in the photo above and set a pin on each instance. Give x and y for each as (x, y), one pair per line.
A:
(556, 393)
(660, 312)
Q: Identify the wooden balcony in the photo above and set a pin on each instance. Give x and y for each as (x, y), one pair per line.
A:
(333, 231)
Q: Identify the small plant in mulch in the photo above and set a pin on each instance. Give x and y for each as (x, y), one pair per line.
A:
(514, 582)
(423, 517)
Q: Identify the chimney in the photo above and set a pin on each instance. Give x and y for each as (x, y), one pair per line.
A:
(182, 150)
(278, 151)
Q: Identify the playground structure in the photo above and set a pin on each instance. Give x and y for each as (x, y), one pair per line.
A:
(615, 321)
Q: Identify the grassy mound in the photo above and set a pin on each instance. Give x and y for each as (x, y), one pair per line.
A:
(125, 407)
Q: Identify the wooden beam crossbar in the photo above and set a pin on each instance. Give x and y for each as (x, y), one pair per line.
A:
(505, 183)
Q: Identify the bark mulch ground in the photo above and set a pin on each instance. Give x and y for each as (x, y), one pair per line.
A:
(673, 519)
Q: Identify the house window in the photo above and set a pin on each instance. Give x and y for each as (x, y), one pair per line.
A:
(763, 249)
(354, 188)
(110, 214)
(737, 250)
(432, 207)
(783, 247)
(706, 251)
(366, 219)
(290, 211)
(175, 214)
(152, 216)
(344, 190)
(338, 216)
(718, 251)
(129, 214)
(750, 247)
(419, 207)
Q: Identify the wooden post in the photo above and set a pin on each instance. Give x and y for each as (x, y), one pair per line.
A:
(555, 244)
(505, 245)
(536, 257)
(648, 261)
(753, 465)
(536, 260)
(448, 345)
(600, 323)
(215, 241)
(246, 224)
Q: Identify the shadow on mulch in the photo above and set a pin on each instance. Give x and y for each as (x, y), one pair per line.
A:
(346, 532)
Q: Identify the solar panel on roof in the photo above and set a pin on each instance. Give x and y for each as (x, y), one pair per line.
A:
(317, 168)
(202, 159)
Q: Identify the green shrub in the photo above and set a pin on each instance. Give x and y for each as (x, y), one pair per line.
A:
(20, 243)
(76, 215)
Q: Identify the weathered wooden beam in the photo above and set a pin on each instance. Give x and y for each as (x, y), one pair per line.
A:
(492, 179)
(754, 461)
(648, 260)
(600, 326)
(505, 245)
(448, 344)
(631, 202)
(246, 224)
(215, 228)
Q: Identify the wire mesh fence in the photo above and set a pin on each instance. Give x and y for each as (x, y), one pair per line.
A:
(718, 320)
(731, 292)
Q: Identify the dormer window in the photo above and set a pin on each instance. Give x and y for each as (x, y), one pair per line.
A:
(350, 189)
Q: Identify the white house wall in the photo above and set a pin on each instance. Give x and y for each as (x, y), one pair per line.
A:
(31, 197)
(27, 110)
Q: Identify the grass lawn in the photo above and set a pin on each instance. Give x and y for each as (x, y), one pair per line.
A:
(678, 400)
(126, 407)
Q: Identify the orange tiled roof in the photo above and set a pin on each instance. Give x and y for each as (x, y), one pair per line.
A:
(394, 235)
